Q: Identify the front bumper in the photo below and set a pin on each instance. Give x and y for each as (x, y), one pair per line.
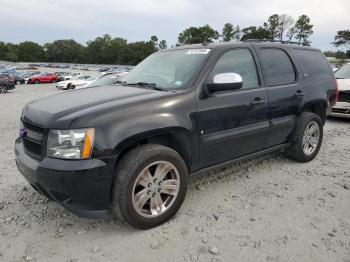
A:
(341, 109)
(81, 186)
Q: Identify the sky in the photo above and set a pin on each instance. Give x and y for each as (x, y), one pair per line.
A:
(44, 21)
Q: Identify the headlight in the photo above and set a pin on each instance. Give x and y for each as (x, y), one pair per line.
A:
(71, 144)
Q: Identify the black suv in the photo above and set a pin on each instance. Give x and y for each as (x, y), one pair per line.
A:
(128, 148)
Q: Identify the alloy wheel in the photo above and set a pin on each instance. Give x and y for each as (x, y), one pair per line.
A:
(311, 138)
(155, 189)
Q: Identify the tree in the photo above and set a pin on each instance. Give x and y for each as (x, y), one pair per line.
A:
(66, 51)
(163, 44)
(11, 52)
(291, 33)
(154, 40)
(107, 50)
(342, 38)
(3, 50)
(329, 54)
(229, 32)
(284, 23)
(30, 52)
(254, 32)
(194, 35)
(99, 50)
(303, 29)
(272, 25)
(138, 51)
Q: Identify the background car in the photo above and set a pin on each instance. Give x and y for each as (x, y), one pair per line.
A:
(18, 78)
(28, 75)
(6, 83)
(61, 75)
(107, 79)
(43, 78)
(71, 75)
(342, 107)
(67, 84)
(82, 83)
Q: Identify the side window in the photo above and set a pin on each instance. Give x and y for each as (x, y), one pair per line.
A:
(239, 61)
(277, 67)
(314, 63)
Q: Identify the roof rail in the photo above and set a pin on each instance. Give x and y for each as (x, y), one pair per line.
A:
(275, 41)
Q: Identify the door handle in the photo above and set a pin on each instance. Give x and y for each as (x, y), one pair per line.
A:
(258, 101)
(300, 93)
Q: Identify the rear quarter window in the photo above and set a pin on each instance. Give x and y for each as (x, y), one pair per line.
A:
(314, 63)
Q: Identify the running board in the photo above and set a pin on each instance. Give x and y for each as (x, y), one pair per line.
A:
(242, 158)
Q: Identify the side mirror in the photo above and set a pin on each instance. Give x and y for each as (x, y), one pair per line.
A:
(225, 82)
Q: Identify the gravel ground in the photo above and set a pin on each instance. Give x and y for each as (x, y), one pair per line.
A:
(266, 209)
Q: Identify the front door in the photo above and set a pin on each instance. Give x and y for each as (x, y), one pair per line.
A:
(233, 123)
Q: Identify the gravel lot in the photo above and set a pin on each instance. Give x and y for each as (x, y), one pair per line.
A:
(266, 209)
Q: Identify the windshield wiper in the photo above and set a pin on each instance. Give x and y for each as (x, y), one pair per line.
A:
(147, 85)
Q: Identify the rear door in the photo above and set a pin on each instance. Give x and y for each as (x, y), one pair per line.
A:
(284, 91)
(233, 123)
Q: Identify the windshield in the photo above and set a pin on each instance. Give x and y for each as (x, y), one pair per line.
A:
(169, 69)
(343, 72)
(105, 80)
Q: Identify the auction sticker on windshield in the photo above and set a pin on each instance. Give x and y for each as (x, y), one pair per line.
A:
(201, 51)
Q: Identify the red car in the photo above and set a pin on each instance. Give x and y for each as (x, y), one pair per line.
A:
(43, 78)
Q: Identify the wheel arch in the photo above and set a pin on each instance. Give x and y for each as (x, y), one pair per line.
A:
(317, 107)
(177, 138)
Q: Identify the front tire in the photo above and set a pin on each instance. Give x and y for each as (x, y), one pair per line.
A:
(308, 138)
(3, 89)
(150, 185)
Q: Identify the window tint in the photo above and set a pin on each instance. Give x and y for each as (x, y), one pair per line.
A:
(314, 63)
(238, 61)
(277, 67)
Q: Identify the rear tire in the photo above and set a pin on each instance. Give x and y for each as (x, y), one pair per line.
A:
(308, 138)
(36, 82)
(150, 185)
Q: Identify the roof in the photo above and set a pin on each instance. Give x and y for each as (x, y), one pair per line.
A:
(240, 44)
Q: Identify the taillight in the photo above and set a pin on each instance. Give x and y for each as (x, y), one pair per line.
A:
(336, 90)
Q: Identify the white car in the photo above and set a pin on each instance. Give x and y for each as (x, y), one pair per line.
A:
(73, 82)
(342, 107)
(107, 79)
(72, 75)
(82, 83)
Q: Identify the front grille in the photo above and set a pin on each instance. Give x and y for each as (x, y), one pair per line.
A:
(33, 140)
(344, 96)
(341, 110)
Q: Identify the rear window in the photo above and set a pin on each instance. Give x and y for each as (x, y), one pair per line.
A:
(314, 63)
(277, 67)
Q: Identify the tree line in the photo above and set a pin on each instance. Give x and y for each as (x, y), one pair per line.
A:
(102, 50)
(117, 50)
(277, 27)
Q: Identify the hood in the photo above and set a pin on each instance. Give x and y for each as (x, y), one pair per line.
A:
(59, 110)
(343, 84)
